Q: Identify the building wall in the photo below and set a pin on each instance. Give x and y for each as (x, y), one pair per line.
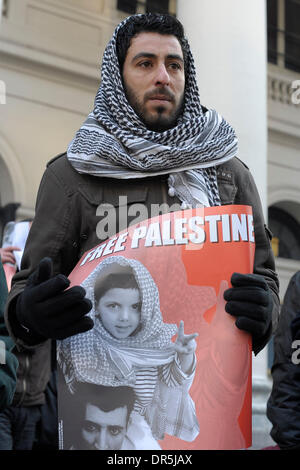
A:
(50, 53)
(283, 155)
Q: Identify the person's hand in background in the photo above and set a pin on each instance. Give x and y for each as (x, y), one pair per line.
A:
(7, 255)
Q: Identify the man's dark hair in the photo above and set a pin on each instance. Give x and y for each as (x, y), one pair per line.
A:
(104, 397)
(151, 23)
(112, 281)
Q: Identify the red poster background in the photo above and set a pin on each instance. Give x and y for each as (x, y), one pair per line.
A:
(191, 279)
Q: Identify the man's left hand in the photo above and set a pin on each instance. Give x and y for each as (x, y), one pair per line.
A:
(250, 301)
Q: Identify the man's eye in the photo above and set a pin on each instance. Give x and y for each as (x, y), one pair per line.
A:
(115, 430)
(90, 427)
(175, 66)
(145, 64)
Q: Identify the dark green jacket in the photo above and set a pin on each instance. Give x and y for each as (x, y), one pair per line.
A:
(67, 218)
(8, 361)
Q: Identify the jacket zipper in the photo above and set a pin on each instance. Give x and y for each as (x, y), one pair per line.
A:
(24, 382)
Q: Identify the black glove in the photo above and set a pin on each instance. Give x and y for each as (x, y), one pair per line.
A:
(250, 300)
(46, 310)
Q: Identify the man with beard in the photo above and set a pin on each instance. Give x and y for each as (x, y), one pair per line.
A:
(149, 141)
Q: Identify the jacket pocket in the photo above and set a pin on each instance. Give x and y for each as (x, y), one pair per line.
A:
(92, 193)
(128, 205)
(227, 192)
(227, 188)
(109, 207)
(115, 194)
(122, 197)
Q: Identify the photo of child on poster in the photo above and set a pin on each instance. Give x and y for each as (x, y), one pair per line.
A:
(164, 366)
(131, 345)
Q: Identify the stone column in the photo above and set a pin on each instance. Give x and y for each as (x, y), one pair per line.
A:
(228, 40)
(2, 83)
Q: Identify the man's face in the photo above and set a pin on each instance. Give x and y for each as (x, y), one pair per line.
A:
(103, 430)
(153, 76)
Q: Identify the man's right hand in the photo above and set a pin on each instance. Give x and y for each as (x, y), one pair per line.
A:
(47, 310)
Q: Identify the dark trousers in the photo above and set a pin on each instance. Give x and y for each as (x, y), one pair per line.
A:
(18, 427)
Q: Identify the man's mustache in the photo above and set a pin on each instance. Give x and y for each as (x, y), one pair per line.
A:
(162, 93)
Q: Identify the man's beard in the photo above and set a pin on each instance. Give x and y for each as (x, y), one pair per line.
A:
(155, 121)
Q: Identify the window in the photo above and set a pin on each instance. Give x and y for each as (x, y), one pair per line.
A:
(272, 18)
(7, 214)
(286, 230)
(292, 35)
(146, 6)
(128, 6)
(157, 6)
(283, 18)
(4, 11)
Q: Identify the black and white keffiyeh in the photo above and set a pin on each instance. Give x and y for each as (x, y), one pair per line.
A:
(114, 142)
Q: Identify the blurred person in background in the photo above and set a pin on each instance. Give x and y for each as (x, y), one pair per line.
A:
(283, 408)
(19, 421)
(8, 361)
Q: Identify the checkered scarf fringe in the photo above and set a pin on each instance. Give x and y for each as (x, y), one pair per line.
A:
(113, 141)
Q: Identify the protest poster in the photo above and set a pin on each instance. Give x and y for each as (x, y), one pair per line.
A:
(15, 234)
(144, 380)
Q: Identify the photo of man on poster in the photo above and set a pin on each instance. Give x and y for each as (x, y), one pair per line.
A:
(101, 416)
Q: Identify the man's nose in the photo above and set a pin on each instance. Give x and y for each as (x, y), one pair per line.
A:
(101, 442)
(162, 76)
